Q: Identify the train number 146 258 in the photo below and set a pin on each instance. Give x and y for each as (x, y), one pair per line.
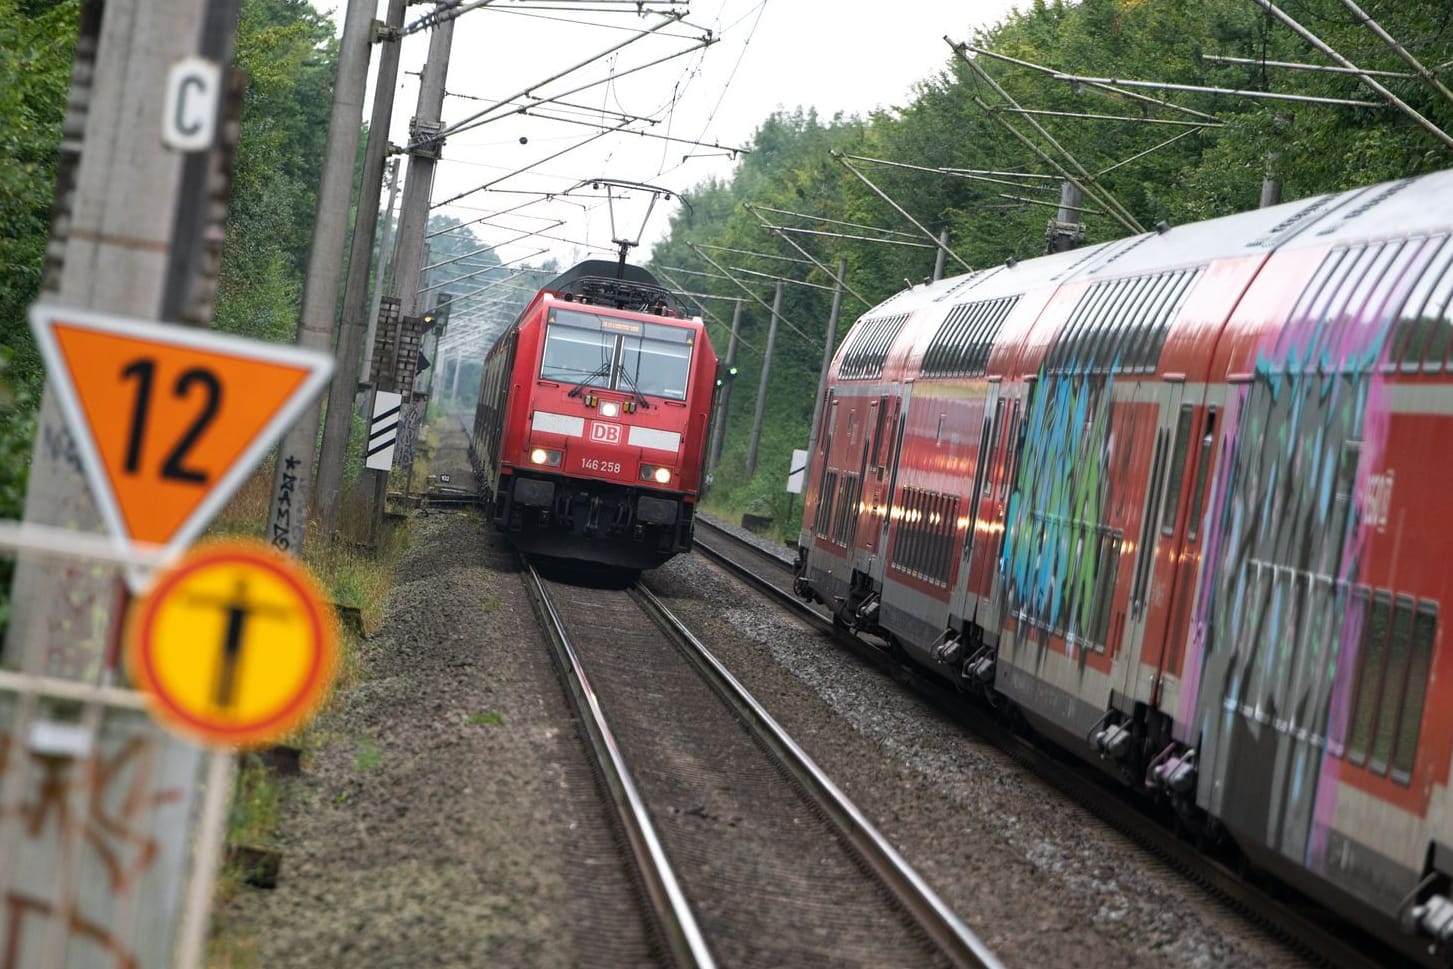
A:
(595, 464)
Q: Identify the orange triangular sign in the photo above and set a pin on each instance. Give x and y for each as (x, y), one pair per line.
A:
(169, 420)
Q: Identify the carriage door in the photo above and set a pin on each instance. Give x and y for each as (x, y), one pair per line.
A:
(965, 596)
(879, 438)
(1143, 644)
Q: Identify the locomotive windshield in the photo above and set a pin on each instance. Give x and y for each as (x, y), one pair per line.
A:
(593, 350)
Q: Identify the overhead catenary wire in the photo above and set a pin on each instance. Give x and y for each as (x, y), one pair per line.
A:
(1221, 91)
(1369, 82)
(479, 252)
(750, 207)
(842, 160)
(705, 312)
(1221, 59)
(1101, 88)
(826, 221)
(482, 116)
(961, 173)
(1429, 76)
(1086, 183)
(456, 279)
(696, 248)
(1086, 116)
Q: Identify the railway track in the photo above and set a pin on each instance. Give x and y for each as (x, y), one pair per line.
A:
(747, 853)
(1310, 929)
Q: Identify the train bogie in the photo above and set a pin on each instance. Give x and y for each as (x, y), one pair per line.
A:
(1179, 500)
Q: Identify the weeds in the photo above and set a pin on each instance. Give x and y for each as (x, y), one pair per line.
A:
(368, 756)
(486, 719)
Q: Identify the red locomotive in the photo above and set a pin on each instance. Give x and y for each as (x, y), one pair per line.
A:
(1180, 500)
(591, 429)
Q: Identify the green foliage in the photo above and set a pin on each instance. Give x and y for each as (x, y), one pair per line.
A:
(37, 40)
(290, 55)
(957, 120)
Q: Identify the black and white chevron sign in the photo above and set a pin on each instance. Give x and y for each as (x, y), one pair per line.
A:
(383, 431)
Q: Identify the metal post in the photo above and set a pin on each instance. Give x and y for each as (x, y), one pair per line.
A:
(338, 421)
(414, 217)
(718, 425)
(293, 475)
(830, 343)
(937, 258)
(762, 385)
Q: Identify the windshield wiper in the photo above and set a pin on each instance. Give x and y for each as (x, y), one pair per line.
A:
(600, 371)
(635, 389)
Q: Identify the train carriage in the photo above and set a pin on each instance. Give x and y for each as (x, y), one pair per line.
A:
(591, 429)
(1179, 500)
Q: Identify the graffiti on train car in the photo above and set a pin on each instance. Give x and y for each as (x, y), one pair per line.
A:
(1054, 544)
(1289, 531)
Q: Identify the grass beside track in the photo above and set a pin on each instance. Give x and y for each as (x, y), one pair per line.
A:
(355, 579)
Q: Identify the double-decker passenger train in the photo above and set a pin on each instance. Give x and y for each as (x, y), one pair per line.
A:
(1182, 500)
(591, 429)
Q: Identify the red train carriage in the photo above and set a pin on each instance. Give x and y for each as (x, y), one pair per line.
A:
(1181, 500)
(591, 429)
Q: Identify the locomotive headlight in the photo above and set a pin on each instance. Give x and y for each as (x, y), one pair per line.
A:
(545, 456)
(609, 408)
(662, 475)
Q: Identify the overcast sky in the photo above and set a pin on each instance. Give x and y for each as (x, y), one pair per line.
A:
(847, 56)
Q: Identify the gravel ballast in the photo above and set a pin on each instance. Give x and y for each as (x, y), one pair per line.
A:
(1041, 880)
(447, 815)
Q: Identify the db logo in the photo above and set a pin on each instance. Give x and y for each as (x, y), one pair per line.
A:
(605, 433)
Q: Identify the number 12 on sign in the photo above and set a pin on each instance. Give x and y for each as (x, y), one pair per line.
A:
(168, 419)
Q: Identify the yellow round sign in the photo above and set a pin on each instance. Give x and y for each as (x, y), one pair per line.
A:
(234, 645)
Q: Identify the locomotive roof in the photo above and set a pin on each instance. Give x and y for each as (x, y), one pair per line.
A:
(601, 282)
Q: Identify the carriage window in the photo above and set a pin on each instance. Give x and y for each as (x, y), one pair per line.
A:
(1177, 471)
(1203, 466)
(1375, 624)
(1393, 680)
(1425, 625)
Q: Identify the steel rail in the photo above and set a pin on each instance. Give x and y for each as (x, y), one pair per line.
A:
(1303, 931)
(953, 938)
(673, 914)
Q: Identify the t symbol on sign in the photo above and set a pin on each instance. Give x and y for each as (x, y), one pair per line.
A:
(237, 610)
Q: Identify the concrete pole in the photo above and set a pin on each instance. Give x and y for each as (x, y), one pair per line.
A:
(125, 202)
(414, 215)
(458, 359)
(413, 220)
(829, 344)
(762, 386)
(1066, 232)
(718, 424)
(338, 421)
(293, 476)
(937, 261)
(119, 205)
